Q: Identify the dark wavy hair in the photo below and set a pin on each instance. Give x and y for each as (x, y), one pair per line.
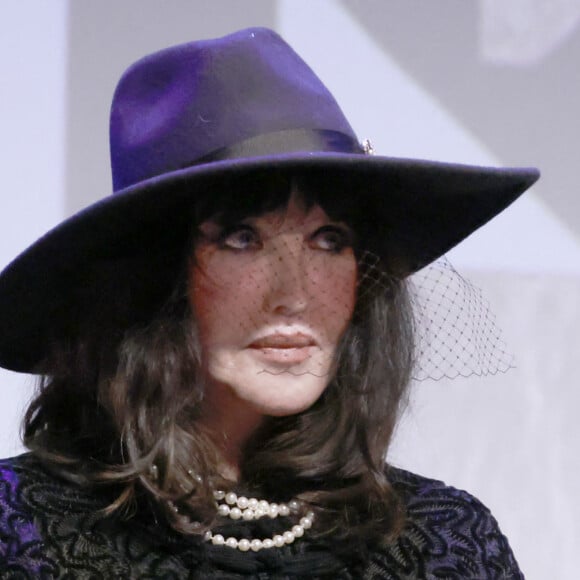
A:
(118, 404)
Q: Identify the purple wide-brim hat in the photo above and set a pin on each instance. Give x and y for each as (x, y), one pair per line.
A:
(217, 116)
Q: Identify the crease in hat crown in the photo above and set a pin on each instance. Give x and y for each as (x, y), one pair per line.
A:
(175, 108)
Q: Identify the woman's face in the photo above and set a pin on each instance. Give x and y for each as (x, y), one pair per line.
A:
(272, 296)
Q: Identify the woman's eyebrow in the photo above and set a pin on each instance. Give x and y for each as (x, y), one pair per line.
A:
(342, 224)
(337, 223)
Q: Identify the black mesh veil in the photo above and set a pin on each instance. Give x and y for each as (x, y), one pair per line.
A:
(455, 331)
(457, 334)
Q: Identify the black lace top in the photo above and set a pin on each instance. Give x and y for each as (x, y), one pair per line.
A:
(51, 529)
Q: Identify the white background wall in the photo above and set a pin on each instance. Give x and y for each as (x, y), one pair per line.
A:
(512, 440)
(32, 152)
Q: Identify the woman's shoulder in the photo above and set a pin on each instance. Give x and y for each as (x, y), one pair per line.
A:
(40, 515)
(20, 537)
(26, 483)
(21, 466)
(21, 478)
(448, 533)
(54, 528)
(419, 492)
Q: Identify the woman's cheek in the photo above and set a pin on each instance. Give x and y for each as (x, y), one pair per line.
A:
(334, 289)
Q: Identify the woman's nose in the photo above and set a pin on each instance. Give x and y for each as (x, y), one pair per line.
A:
(287, 290)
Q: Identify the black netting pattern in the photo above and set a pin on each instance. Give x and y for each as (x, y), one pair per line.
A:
(455, 329)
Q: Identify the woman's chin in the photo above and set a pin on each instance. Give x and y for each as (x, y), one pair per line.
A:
(285, 410)
(282, 396)
(268, 389)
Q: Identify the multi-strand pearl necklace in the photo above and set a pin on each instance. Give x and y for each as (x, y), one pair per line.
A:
(236, 508)
(230, 505)
(247, 509)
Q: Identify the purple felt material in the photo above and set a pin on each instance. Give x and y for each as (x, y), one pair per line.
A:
(177, 106)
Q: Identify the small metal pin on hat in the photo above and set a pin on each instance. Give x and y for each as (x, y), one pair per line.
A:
(368, 147)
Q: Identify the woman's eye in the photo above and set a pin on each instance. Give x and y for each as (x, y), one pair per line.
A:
(332, 239)
(239, 238)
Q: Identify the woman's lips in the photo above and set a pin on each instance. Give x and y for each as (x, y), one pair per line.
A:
(285, 349)
(297, 340)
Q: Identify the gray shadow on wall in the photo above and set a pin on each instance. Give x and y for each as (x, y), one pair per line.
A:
(107, 36)
(523, 115)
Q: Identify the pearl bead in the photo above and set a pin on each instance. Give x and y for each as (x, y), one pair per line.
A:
(223, 509)
(248, 515)
(256, 545)
(278, 541)
(217, 540)
(194, 476)
(231, 498)
(219, 494)
(267, 543)
(298, 531)
(242, 502)
(306, 523)
(253, 503)
(231, 543)
(273, 511)
(235, 513)
(288, 537)
(283, 510)
(263, 505)
(244, 545)
(294, 505)
(259, 512)
(207, 536)
(172, 507)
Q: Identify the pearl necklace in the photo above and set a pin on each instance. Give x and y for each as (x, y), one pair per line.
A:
(248, 509)
(251, 508)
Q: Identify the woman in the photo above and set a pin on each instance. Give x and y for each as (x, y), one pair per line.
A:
(226, 343)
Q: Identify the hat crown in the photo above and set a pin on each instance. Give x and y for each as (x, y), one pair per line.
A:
(175, 107)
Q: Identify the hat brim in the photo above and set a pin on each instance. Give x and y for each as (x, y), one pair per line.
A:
(412, 211)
